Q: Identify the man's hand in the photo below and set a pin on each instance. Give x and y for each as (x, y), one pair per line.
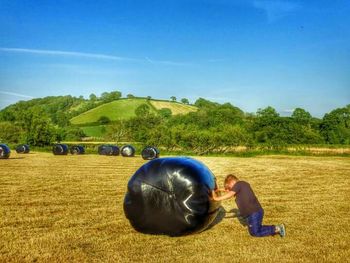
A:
(226, 196)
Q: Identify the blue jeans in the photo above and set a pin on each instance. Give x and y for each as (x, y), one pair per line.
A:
(255, 226)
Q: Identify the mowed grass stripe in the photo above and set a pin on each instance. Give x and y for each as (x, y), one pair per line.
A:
(70, 208)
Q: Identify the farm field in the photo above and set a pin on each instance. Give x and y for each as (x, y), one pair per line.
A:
(70, 209)
(175, 107)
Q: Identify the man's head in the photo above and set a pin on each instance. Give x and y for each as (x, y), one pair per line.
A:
(230, 181)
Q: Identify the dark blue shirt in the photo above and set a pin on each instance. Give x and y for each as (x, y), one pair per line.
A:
(246, 200)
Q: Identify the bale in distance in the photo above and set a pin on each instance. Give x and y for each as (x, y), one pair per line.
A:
(4, 151)
(23, 148)
(77, 149)
(60, 149)
(171, 196)
(150, 153)
(108, 149)
(128, 151)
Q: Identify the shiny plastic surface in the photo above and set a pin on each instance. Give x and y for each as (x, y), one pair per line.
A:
(171, 196)
(60, 149)
(23, 148)
(5, 151)
(128, 151)
(77, 149)
(150, 153)
(107, 149)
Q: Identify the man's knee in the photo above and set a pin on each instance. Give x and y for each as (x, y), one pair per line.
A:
(253, 231)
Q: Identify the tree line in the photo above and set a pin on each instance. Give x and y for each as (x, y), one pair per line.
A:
(221, 127)
(213, 128)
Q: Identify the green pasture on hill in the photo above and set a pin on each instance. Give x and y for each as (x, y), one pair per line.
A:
(115, 110)
(125, 108)
(94, 131)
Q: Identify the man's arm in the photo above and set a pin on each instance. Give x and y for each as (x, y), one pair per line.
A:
(221, 190)
(226, 196)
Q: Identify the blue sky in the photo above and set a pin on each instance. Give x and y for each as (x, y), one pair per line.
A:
(251, 53)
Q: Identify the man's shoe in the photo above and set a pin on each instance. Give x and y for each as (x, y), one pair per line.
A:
(282, 230)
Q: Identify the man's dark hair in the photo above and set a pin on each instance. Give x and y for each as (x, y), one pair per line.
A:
(230, 177)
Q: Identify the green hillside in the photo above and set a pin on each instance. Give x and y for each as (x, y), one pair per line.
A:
(125, 108)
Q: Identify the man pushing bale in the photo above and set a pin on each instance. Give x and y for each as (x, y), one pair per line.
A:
(249, 207)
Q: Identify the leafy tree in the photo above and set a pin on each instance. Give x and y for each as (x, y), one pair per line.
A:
(301, 116)
(73, 134)
(149, 97)
(130, 96)
(93, 97)
(115, 95)
(173, 98)
(117, 131)
(267, 113)
(143, 110)
(10, 132)
(205, 104)
(140, 127)
(104, 120)
(185, 101)
(38, 129)
(111, 96)
(335, 126)
(165, 112)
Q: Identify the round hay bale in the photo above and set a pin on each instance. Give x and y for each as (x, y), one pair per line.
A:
(171, 196)
(108, 149)
(128, 151)
(150, 153)
(23, 148)
(4, 151)
(60, 149)
(77, 149)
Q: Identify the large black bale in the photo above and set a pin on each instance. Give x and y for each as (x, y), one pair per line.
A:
(23, 148)
(77, 149)
(60, 149)
(107, 149)
(171, 196)
(128, 151)
(4, 151)
(150, 153)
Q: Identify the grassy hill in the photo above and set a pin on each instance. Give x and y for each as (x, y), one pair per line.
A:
(125, 108)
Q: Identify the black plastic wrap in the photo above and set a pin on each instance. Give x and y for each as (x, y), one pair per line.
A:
(4, 151)
(60, 149)
(171, 196)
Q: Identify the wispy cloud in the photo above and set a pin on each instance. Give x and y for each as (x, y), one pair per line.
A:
(65, 53)
(15, 94)
(165, 62)
(288, 110)
(88, 55)
(278, 9)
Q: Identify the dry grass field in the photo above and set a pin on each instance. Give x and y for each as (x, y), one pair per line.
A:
(70, 209)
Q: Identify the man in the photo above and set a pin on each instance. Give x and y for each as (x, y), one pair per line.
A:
(249, 207)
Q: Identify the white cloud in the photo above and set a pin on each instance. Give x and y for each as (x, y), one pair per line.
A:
(16, 94)
(88, 55)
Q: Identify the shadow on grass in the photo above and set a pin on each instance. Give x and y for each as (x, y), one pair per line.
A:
(234, 213)
(223, 214)
(219, 217)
